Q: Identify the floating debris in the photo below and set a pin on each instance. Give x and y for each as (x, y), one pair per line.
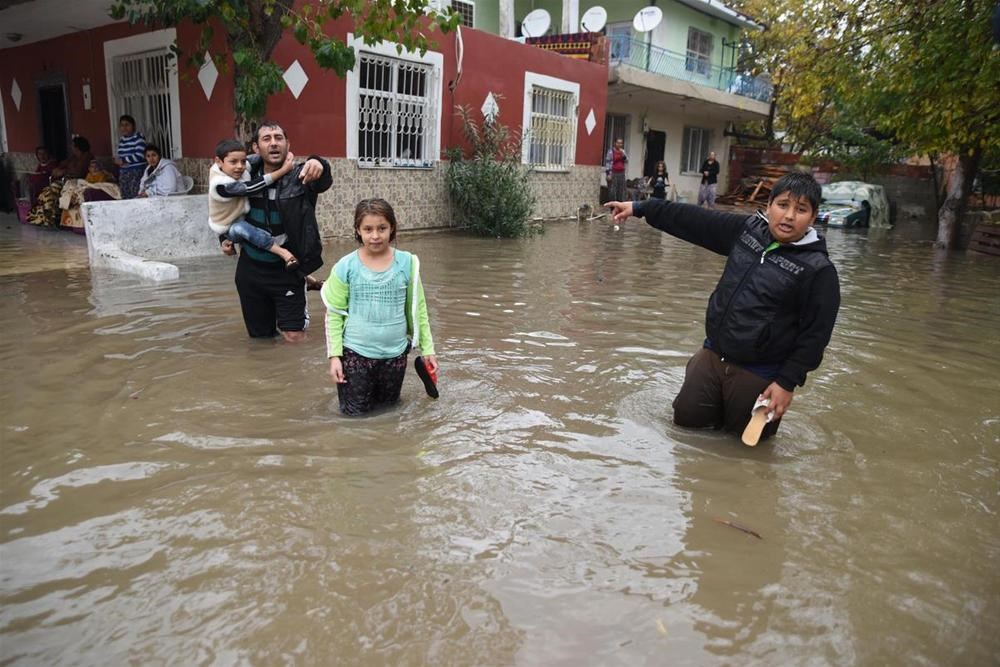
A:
(737, 526)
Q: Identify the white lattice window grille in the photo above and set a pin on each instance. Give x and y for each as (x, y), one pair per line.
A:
(699, 52)
(396, 111)
(694, 148)
(142, 82)
(551, 118)
(466, 13)
(142, 90)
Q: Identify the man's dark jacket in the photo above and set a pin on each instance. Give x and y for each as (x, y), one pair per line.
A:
(296, 206)
(770, 307)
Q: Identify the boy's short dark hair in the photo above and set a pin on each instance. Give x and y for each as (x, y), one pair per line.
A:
(227, 146)
(82, 144)
(154, 148)
(800, 185)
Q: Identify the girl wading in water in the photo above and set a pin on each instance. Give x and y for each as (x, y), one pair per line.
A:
(375, 313)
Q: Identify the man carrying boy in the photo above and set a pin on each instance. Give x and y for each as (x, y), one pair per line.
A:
(272, 299)
(772, 312)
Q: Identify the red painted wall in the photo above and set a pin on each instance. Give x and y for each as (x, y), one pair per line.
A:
(316, 121)
(494, 64)
(78, 56)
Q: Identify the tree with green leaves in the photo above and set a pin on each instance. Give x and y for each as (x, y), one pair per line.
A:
(253, 29)
(921, 75)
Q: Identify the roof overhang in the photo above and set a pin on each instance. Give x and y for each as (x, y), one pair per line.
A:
(721, 11)
(653, 90)
(27, 21)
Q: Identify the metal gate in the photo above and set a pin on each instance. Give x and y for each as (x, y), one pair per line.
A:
(140, 85)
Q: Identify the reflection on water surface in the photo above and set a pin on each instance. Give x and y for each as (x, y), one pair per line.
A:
(171, 491)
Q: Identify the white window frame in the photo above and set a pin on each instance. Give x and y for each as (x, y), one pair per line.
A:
(704, 135)
(534, 80)
(389, 49)
(699, 62)
(624, 50)
(148, 41)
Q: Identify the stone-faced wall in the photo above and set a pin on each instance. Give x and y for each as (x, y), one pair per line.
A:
(419, 196)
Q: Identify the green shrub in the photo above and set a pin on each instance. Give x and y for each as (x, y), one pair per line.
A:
(489, 188)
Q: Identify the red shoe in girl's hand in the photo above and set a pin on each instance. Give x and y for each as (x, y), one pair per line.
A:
(428, 377)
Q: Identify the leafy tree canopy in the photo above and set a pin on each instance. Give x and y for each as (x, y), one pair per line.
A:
(253, 28)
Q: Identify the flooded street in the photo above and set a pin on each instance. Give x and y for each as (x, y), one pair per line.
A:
(174, 493)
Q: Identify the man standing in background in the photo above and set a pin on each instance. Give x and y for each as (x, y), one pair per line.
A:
(709, 179)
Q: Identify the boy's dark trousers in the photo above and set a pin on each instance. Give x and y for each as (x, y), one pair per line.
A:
(718, 394)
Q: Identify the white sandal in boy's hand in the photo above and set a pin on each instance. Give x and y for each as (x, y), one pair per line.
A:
(760, 416)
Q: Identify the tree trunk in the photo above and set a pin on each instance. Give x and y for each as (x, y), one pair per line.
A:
(959, 187)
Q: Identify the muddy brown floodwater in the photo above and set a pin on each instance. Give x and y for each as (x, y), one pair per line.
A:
(173, 493)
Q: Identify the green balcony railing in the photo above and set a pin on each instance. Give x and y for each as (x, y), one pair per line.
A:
(626, 50)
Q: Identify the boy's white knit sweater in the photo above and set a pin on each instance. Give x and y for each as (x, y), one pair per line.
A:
(224, 211)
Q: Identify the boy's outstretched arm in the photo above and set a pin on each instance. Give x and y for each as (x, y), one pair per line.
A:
(712, 230)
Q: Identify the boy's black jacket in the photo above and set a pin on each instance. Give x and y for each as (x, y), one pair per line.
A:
(777, 311)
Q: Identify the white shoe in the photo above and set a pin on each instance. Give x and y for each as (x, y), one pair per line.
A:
(759, 418)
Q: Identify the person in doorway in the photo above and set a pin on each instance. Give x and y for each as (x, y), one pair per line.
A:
(131, 157)
(161, 176)
(659, 181)
(709, 180)
(375, 313)
(772, 313)
(615, 163)
(271, 298)
(229, 189)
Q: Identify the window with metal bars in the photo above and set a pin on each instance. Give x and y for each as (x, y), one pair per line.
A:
(466, 13)
(140, 83)
(694, 148)
(699, 52)
(395, 112)
(552, 134)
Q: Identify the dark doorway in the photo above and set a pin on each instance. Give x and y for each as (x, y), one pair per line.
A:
(656, 144)
(52, 115)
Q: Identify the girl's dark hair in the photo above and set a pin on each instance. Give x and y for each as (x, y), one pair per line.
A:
(227, 146)
(656, 167)
(128, 118)
(154, 148)
(374, 206)
(799, 185)
(82, 144)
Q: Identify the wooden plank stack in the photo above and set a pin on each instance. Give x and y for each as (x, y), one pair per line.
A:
(755, 186)
(986, 239)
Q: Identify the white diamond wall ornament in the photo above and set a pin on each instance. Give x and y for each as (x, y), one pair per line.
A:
(208, 75)
(296, 78)
(590, 123)
(15, 93)
(490, 108)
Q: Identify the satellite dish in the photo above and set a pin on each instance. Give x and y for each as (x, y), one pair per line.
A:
(647, 18)
(593, 19)
(536, 23)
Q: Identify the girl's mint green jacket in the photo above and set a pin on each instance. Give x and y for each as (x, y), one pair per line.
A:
(336, 293)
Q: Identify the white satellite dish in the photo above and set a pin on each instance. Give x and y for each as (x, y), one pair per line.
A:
(536, 23)
(647, 18)
(594, 19)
